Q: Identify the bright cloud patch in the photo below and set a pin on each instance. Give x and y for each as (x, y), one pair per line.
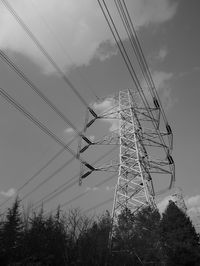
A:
(108, 105)
(162, 83)
(11, 192)
(74, 28)
(163, 204)
(193, 201)
(162, 54)
(110, 188)
(193, 205)
(92, 189)
(193, 208)
(161, 78)
(69, 130)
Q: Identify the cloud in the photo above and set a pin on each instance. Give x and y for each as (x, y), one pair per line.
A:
(105, 50)
(108, 105)
(76, 26)
(163, 52)
(193, 205)
(163, 204)
(92, 189)
(11, 192)
(68, 134)
(162, 83)
(193, 201)
(193, 208)
(92, 137)
(104, 105)
(110, 188)
(161, 78)
(69, 130)
(173, 197)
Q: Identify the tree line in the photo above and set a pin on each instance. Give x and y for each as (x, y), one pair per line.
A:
(72, 238)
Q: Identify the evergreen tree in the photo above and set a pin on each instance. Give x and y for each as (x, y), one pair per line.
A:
(44, 241)
(123, 252)
(136, 238)
(179, 239)
(95, 240)
(10, 236)
(147, 239)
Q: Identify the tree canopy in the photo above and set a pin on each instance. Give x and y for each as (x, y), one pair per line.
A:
(179, 239)
(72, 238)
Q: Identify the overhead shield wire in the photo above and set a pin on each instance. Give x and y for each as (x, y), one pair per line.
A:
(68, 82)
(133, 38)
(129, 66)
(132, 72)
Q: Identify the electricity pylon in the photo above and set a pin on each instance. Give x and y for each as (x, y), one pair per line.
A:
(144, 151)
(134, 187)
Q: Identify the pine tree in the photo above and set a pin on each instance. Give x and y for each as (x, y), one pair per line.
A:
(95, 239)
(11, 234)
(123, 241)
(136, 238)
(147, 239)
(179, 239)
(44, 241)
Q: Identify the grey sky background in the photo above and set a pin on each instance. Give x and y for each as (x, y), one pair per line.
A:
(77, 37)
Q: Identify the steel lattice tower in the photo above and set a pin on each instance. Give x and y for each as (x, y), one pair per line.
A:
(143, 135)
(134, 187)
(144, 151)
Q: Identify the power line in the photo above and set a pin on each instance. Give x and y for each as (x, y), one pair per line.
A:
(44, 167)
(56, 192)
(35, 175)
(99, 205)
(135, 44)
(131, 39)
(62, 187)
(143, 59)
(21, 74)
(129, 66)
(47, 131)
(43, 50)
(84, 193)
(49, 177)
(63, 48)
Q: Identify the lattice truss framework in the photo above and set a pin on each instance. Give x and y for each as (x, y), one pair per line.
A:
(134, 187)
(140, 142)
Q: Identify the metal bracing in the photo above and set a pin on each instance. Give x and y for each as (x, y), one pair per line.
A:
(133, 188)
(144, 153)
(145, 145)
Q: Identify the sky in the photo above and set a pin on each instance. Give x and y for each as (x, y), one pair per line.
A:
(76, 35)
